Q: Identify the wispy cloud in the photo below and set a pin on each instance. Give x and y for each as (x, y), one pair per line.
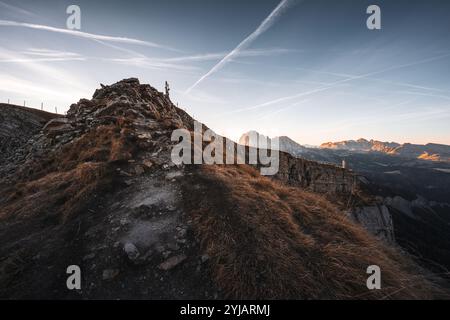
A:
(263, 27)
(80, 34)
(12, 84)
(39, 55)
(437, 96)
(43, 70)
(180, 63)
(368, 118)
(145, 62)
(16, 9)
(221, 55)
(397, 83)
(49, 53)
(340, 82)
(273, 113)
(204, 97)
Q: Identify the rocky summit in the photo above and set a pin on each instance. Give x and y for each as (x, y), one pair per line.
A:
(97, 189)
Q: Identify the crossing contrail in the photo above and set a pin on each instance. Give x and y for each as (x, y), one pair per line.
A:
(263, 27)
(337, 83)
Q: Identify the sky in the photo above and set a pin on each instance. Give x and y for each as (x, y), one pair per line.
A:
(310, 69)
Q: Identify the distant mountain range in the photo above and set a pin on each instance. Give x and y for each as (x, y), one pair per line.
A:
(430, 151)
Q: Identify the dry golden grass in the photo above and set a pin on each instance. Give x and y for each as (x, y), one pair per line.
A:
(62, 184)
(270, 241)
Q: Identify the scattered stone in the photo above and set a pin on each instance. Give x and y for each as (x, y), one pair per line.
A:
(172, 262)
(147, 163)
(204, 258)
(182, 233)
(160, 248)
(131, 251)
(109, 274)
(89, 256)
(145, 135)
(139, 170)
(174, 175)
(57, 127)
(173, 246)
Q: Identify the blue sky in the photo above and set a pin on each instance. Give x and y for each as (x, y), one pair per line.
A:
(307, 69)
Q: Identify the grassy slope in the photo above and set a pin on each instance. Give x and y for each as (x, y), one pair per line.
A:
(267, 240)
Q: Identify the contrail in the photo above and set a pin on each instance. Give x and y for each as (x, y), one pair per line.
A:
(337, 83)
(263, 27)
(80, 34)
(220, 55)
(16, 9)
(403, 84)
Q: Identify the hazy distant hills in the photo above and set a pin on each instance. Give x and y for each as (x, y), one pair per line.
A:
(286, 144)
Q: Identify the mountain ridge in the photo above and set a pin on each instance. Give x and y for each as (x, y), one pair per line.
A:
(430, 151)
(97, 188)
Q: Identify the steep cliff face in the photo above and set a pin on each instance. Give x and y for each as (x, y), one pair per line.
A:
(376, 219)
(317, 177)
(342, 184)
(335, 182)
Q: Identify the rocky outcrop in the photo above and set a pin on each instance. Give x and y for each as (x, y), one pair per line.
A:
(337, 182)
(315, 176)
(333, 181)
(376, 219)
(18, 125)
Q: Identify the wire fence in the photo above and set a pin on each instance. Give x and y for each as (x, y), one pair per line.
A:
(42, 107)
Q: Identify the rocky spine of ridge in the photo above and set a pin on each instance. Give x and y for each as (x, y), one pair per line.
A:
(97, 188)
(128, 106)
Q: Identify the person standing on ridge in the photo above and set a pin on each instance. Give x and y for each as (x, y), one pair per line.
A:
(167, 89)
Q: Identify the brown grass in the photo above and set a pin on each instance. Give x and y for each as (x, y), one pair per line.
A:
(62, 184)
(270, 241)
